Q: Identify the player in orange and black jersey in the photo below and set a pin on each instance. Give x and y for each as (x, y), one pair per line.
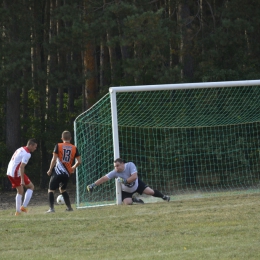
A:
(64, 155)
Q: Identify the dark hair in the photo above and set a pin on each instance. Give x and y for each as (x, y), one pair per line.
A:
(31, 142)
(119, 160)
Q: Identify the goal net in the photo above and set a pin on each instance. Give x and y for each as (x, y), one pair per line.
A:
(187, 140)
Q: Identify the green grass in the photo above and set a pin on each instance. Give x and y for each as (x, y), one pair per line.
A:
(211, 228)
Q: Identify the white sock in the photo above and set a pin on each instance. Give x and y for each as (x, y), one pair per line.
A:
(27, 197)
(18, 200)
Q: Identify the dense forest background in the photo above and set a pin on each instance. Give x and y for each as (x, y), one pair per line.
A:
(58, 57)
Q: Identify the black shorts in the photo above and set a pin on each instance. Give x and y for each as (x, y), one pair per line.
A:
(58, 181)
(141, 187)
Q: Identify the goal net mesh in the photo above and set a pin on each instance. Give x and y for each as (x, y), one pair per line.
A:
(189, 142)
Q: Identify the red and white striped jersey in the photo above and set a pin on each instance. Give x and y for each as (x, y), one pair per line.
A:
(21, 155)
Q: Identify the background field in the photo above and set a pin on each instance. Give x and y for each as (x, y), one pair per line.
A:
(209, 228)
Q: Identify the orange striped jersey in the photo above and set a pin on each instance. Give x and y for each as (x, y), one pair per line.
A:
(67, 153)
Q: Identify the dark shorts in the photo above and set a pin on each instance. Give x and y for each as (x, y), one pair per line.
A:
(141, 187)
(58, 181)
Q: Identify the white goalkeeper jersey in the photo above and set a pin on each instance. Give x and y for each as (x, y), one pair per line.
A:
(21, 155)
(130, 169)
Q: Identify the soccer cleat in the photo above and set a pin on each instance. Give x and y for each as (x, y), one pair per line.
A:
(50, 211)
(69, 209)
(165, 197)
(136, 200)
(23, 209)
(17, 213)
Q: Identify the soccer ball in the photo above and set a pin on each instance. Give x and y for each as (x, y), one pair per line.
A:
(60, 200)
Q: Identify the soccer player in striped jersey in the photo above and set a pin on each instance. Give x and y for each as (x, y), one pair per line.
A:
(18, 178)
(61, 167)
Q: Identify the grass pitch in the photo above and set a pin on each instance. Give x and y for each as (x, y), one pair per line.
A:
(212, 228)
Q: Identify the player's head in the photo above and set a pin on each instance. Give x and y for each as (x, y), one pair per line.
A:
(66, 136)
(119, 164)
(32, 145)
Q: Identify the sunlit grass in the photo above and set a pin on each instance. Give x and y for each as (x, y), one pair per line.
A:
(215, 228)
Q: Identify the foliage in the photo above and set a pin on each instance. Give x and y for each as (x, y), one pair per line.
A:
(43, 55)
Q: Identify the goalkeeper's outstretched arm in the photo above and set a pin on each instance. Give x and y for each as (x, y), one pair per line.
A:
(103, 179)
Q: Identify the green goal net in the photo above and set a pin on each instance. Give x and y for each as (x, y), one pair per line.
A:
(185, 142)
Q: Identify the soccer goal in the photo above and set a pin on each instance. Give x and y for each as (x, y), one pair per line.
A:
(187, 140)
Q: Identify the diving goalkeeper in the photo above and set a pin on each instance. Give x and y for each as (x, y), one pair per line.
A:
(126, 174)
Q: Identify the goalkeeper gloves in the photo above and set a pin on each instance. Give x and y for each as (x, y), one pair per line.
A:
(122, 180)
(91, 187)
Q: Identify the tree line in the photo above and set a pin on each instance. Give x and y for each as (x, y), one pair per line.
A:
(58, 57)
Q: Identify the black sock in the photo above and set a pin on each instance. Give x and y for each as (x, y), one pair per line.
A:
(66, 199)
(51, 199)
(158, 194)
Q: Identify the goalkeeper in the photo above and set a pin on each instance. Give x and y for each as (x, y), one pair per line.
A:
(126, 174)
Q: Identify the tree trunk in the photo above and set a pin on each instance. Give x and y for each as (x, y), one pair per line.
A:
(91, 90)
(41, 84)
(112, 58)
(53, 66)
(13, 126)
(186, 39)
(25, 111)
(13, 92)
